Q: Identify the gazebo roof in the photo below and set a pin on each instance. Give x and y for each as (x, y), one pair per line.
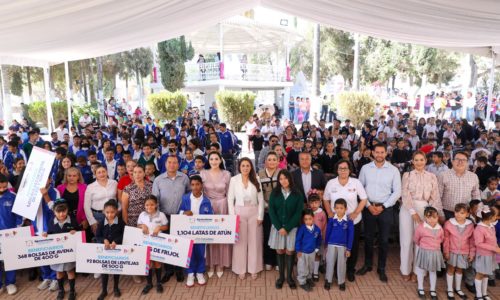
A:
(242, 34)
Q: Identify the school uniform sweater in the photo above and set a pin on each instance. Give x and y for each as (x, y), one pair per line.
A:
(113, 232)
(8, 219)
(456, 242)
(485, 239)
(340, 232)
(427, 238)
(307, 240)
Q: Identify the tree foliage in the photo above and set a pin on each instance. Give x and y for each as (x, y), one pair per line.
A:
(172, 55)
(235, 107)
(356, 106)
(16, 87)
(167, 105)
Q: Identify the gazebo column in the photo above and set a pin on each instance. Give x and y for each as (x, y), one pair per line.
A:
(490, 88)
(221, 51)
(68, 95)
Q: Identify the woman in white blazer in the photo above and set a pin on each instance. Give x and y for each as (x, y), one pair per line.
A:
(245, 199)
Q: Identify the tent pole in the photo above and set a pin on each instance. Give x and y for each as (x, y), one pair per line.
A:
(50, 118)
(2, 115)
(490, 89)
(68, 95)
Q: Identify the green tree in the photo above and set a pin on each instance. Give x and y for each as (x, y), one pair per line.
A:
(438, 65)
(235, 107)
(140, 61)
(16, 87)
(172, 55)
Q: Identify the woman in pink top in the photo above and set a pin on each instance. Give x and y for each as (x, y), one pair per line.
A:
(282, 165)
(419, 190)
(73, 190)
(458, 248)
(486, 248)
(428, 237)
(215, 187)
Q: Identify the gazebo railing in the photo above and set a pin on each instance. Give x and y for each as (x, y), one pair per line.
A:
(234, 71)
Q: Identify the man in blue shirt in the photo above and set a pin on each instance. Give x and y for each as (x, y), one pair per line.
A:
(382, 183)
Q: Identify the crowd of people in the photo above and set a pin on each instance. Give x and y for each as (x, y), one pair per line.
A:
(309, 197)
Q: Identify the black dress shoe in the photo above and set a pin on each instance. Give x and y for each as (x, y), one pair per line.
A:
(179, 275)
(159, 288)
(322, 269)
(117, 293)
(471, 288)
(310, 282)
(102, 296)
(364, 270)
(382, 276)
(342, 287)
(147, 288)
(306, 287)
(166, 277)
(491, 282)
(351, 277)
(279, 283)
(292, 284)
(327, 285)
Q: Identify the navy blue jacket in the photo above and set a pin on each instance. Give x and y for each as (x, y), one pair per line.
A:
(111, 232)
(340, 233)
(205, 206)
(70, 225)
(226, 141)
(307, 241)
(8, 219)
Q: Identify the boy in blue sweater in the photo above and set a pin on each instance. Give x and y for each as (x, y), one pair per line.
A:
(8, 220)
(307, 243)
(339, 237)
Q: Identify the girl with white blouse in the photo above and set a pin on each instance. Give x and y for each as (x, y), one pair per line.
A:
(245, 199)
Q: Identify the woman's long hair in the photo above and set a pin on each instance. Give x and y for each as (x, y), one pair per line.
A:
(252, 176)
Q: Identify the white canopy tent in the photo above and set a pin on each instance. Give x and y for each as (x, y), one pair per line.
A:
(39, 33)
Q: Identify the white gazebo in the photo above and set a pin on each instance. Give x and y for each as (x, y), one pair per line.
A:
(231, 43)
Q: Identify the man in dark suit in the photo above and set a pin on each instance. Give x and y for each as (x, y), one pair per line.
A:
(306, 178)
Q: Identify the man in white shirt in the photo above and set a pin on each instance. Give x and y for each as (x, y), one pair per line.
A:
(110, 163)
(85, 120)
(61, 130)
(430, 127)
(266, 131)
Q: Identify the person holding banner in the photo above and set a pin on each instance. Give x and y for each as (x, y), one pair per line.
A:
(110, 233)
(63, 222)
(8, 220)
(151, 221)
(73, 190)
(195, 203)
(285, 209)
(215, 187)
(246, 200)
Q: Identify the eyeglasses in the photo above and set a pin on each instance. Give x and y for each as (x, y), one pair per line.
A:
(460, 160)
(343, 169)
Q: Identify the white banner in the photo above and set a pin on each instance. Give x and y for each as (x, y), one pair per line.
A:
(206, 229)
(8, 234)
(123, 260)
(168, 249)
(35, 176)
(36, 251)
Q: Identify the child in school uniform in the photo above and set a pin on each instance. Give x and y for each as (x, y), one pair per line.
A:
(339, 237)
(110, 233)
(195, 203)
(152, 221)
(8, 220)
(62, 223)
(486, 249)
(307, 245)
(41, 224)
(320, 220)
(458, 248)
(429, 236)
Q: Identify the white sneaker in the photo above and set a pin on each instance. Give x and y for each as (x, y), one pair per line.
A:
(97, 275)
(269, 267)
(44, 285)
(54, 286)
(201, 279)
(11, 289)
(190, 280)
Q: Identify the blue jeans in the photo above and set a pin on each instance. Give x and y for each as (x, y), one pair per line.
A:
(470, 114)
(291, 111)
(10, 276)
(384, 223)
(197, 264)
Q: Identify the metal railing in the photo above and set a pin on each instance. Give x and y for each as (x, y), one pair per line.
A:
(234, 71)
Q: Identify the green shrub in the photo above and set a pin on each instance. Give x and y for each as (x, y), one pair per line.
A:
(235, 107)
(37, 111)
(356, 106)
(167, 105)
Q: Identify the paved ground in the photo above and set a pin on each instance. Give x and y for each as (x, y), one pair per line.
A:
(230, 287)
